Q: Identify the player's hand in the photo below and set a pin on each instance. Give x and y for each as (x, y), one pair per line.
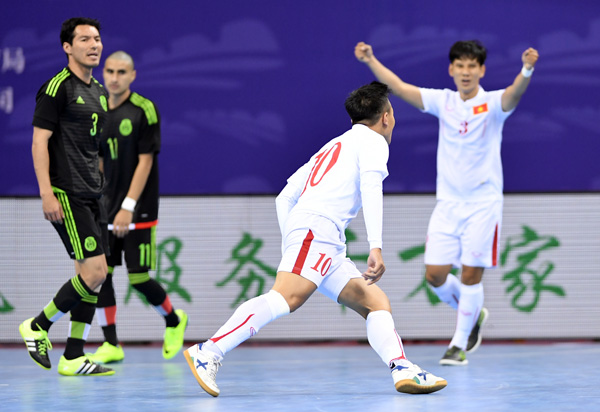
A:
(530, 57)
(376, 268)
(363, 52)
(52, 208)
(121, 223)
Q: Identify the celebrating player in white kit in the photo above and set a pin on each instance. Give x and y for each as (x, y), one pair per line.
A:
(313, 210)
(465, 224)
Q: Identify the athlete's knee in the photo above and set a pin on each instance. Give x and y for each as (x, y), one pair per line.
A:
(277, 304)
(294, 289)
(364, 299)
(471, 275)
(377, 305)
(137, 278)
(436, 275)
(293, 302)
(93, 271)
(377, 300)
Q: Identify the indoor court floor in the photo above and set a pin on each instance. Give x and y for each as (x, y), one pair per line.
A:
(500, 377)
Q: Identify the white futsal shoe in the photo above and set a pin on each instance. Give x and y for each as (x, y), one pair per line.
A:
(204, 366)
(410, 378)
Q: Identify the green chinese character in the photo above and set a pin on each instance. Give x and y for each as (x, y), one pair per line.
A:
(168, 272)
(6, 306)
(414, 252)
(245, 254)
(528, 246)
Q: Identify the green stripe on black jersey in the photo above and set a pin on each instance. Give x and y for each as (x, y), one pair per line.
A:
(69, 222)
(147, 106)
(97, 82)
(56, 81)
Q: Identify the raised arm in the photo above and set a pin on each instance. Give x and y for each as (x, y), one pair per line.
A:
(513, 93)
(407, 92)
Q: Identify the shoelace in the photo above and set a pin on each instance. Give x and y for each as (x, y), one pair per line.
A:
(213, 369)
(43, 345)
(419, 371)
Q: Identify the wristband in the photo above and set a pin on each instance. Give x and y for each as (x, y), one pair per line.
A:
(526, 72)
(128, 204)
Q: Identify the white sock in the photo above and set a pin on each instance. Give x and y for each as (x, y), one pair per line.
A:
(383, 337)
(471, 302)
(101, 317)
(246, 321)
(450, 291)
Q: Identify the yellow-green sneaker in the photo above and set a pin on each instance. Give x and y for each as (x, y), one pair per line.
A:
(82, 366)
(107, 353)
(454, 356)
(174, 336)
(475, 336)
(37, 343)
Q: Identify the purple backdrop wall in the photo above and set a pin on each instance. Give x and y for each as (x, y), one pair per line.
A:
(249, 90)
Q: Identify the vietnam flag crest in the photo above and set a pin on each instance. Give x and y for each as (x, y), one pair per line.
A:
(482, 108)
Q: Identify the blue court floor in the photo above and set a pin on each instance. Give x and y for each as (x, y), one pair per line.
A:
(499, 377)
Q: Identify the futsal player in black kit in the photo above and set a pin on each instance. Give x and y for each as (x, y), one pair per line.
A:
(129, 152)
(71, 109)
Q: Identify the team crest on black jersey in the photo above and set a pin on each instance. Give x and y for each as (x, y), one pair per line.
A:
(103, 103)
(125, 128)
(90, 244)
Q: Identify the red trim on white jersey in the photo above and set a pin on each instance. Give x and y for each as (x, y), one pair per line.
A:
(303, 253)
(495, 247)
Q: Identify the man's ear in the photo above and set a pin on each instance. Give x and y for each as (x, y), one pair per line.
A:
(67, 47)
(385, 119)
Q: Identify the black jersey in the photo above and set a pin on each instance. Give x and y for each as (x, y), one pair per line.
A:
(75, 112)
(132, 129)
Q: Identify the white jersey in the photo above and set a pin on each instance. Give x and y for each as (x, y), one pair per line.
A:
(469, 167)
(329, 184)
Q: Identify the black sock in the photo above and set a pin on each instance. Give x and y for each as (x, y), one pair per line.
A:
(156, 296)
(110, 334)
(106, 299)
(81, 320)
(65, 300)
(172, 320)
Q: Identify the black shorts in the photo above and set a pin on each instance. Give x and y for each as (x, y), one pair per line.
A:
(139, 247)
(84, 230)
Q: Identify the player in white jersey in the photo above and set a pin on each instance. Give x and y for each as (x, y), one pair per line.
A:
(465, 224)
(313, 210)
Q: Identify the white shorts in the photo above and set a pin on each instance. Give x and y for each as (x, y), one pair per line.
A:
(464, 233)
(313, 249)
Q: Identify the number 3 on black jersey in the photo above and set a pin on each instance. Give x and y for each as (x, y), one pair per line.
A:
(94, 123)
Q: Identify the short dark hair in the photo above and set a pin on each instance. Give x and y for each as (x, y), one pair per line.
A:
(367, 103)
(67, 31)
(472, 49)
